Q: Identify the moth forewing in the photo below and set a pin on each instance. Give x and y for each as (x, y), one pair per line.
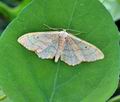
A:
(85, 46)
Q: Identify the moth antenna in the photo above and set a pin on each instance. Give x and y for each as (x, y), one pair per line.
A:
(49, 27)
(79, 33)
(52, 27)
(63, 29)
(75, 31)
(72, 30)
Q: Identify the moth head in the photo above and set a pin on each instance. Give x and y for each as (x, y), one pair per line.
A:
(28, 41)
(63, 33)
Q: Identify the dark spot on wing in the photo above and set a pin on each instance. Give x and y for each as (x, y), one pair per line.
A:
(86, 47)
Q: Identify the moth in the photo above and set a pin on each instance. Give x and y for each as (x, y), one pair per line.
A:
(61, 45)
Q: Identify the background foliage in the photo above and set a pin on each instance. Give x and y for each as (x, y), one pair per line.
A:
(113, 6)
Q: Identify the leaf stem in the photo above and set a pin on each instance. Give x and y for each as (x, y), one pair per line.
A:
(2, 97)
(10, 13)
(18, 9)
(6, 11)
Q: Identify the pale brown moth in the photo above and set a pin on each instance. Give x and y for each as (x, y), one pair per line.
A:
(61, 45)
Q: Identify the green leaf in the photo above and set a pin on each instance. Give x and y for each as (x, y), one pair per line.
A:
(115, 99)
(3, 97)
(26, 78)
(113, 6)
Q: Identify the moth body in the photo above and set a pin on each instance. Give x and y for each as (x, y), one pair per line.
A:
(62, 38)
